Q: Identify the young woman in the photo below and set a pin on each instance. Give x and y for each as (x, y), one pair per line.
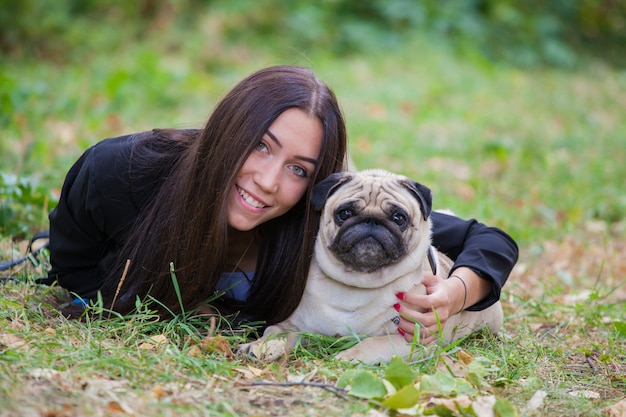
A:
(226, 209)
(232, 197)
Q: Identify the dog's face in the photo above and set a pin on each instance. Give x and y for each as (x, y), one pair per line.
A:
(374, 226)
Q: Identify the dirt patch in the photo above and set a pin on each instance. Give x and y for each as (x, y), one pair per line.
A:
(570, 269)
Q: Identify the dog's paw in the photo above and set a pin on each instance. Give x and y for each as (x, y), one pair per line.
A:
(267, 350)
(357, 355)
(376, 350)
(348, 355)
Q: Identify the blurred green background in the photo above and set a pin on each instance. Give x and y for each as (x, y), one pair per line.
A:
(511, 111)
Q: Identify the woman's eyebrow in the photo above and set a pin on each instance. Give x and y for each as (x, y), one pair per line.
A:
(275, 139)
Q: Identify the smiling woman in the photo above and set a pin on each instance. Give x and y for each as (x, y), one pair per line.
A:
(277, 173)
(229, 198)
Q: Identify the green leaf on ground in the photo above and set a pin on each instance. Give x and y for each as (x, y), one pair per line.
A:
(399, 373)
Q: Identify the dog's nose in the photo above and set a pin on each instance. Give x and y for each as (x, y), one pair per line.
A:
(373, 222)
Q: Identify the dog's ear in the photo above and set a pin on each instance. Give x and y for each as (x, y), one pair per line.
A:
(325, 188)
(423, 194)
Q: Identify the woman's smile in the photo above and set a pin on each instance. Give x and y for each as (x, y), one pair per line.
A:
(277, 173)
(251, 201)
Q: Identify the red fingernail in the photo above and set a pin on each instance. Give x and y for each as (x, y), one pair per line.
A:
(402, 333)
(397, 306)
(400, 296)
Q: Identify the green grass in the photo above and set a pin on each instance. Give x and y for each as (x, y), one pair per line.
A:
(537, 152)
(546, 145)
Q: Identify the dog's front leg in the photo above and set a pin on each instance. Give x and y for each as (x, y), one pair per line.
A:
(466, 322)
(376, 350)
(277, 341)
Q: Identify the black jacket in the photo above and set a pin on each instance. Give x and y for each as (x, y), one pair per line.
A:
(103, 194)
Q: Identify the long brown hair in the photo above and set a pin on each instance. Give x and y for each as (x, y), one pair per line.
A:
(186, 223)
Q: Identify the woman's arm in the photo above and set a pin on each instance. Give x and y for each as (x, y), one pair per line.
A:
(483, 259)
(94, 207)
(488, 251)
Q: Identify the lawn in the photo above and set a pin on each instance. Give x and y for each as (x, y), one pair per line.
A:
(536, 151)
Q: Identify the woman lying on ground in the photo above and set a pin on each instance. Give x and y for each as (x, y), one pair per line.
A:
(228, 209)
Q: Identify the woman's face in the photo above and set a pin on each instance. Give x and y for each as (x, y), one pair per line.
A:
(277, 173)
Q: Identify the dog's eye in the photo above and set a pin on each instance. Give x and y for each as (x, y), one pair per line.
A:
(343, 214)
(399, 218)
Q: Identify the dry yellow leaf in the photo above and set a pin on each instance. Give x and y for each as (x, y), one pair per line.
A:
(483, 406)
(217, 344)
(11, 341)
(159, 339)
(465, 357)
(153, 342)
(584, 393)
(250, 372)
(119, 407)
(147, 346)
(195, 351)
(159, 392)
(456, 366)
(616, 410)
(114, 407)
(451, 403)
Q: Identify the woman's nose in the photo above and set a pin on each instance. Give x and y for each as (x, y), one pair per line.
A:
(268, 178)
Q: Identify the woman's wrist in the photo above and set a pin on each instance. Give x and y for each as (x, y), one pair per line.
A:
(462, 281)
(468, 288)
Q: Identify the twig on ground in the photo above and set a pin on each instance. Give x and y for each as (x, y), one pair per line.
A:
(590, 363)
(119, 285)
(340, 392)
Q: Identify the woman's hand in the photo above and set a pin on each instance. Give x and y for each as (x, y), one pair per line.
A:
(446, 297)
(418, 311)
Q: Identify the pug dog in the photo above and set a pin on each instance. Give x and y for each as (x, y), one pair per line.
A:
(374, 241)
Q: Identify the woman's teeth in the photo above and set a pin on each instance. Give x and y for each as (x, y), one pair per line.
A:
(248, 199)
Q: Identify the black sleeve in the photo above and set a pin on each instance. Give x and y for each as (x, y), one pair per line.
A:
(95, 208)
(488, 251)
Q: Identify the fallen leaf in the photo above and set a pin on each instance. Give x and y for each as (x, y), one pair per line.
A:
(376, 413)
(99, 385)
(159, 392)
(451, 403)
(195, 351)
(584, 393)
(299, 378)
(66, 411)
(465, 191)
(118, 407)
(483, 406)
(217, 344)
(11, 341)
(114, 407)
(159, 339)
(572, 299)
(465, 357)
(44, 373)
(536, 400)
(250, 372)
(449, 364)
(616, 410)
(363, 144)
(270, 350)
(377, 111)
(147, 346)
(153, 342)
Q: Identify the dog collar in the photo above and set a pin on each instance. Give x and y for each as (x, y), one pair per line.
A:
(432, 259)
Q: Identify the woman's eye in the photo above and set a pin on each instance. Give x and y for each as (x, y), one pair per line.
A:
(299, 171)
(261, 146)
